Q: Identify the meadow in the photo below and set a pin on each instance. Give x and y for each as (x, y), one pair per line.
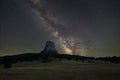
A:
(61, 70)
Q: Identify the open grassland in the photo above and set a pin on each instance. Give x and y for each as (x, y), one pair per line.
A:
(65, 70)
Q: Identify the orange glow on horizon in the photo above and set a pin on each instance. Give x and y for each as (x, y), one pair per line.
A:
(68, 51)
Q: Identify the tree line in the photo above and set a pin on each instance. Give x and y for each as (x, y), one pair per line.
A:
(7, 61)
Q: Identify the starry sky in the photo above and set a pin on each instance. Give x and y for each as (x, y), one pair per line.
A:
(93, 24)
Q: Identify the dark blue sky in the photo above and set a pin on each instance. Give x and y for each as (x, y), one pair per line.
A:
(94, 23)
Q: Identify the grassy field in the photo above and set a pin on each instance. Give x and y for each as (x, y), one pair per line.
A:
(65, 70)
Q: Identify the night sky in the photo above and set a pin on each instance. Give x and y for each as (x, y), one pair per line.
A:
(94, 25)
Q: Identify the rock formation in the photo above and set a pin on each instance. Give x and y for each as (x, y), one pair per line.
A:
(48, 51)
(49, 48)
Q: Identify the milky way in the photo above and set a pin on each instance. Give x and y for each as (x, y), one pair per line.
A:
(68, 45)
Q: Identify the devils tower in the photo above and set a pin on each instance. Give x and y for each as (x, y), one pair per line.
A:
(48, 51)
(49, 48)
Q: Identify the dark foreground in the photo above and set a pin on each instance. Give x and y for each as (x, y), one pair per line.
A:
(65, 70)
